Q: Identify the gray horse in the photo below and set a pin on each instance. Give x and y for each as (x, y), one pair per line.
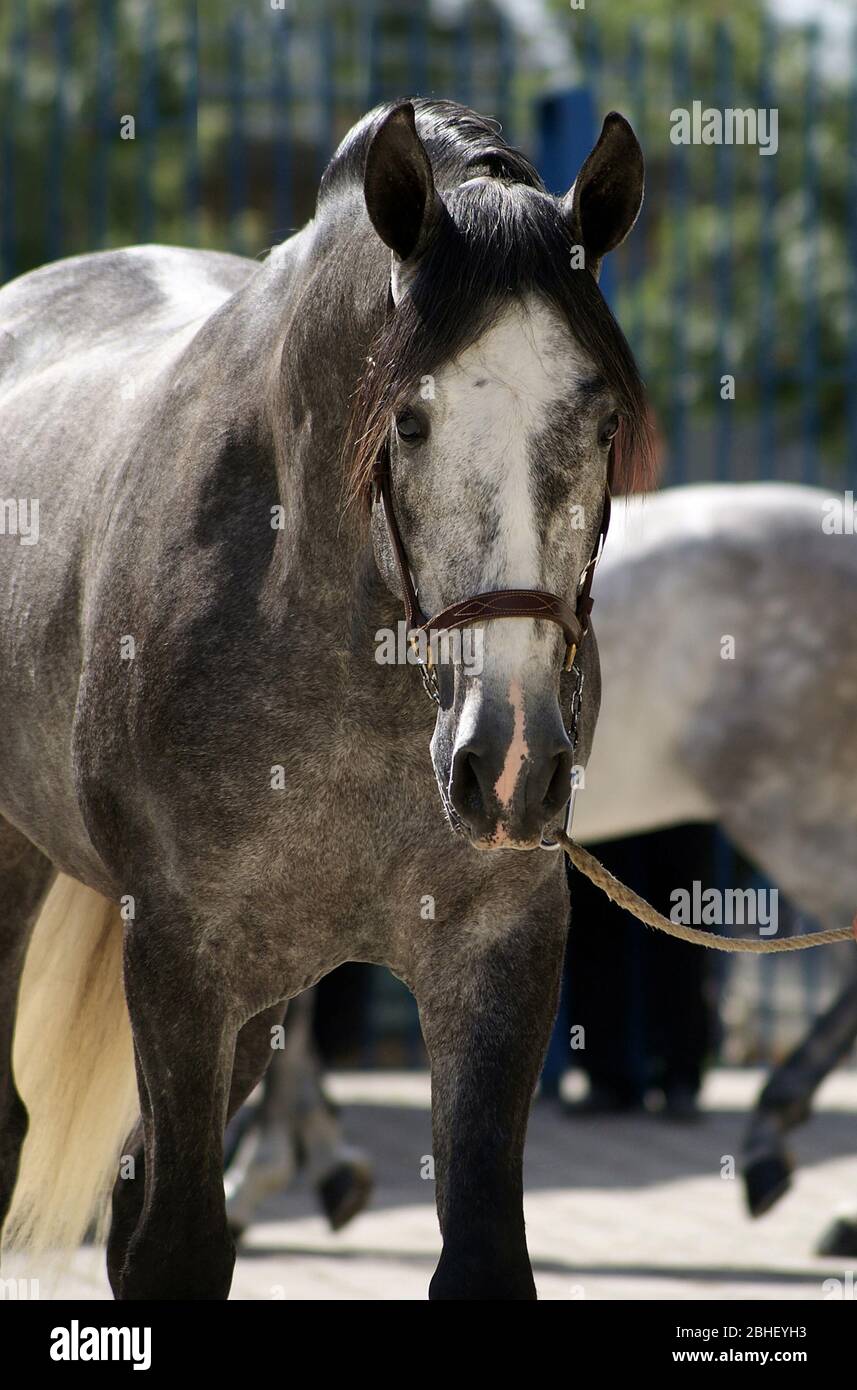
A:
(198, 737)
(727, 627)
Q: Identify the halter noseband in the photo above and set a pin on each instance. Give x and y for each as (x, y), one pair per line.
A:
(501, 603)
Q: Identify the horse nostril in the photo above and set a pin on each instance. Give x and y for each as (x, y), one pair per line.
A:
(559, 784)
(465, 791)
(541, 793)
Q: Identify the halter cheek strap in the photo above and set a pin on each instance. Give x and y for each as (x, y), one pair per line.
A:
(500, 603)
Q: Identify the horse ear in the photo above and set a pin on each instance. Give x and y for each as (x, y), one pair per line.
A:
(604, 201)
(398, 185)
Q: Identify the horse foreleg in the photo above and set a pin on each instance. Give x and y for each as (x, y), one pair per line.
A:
(486, 1011)
(253, 1053)
(785, 1101)
(170, 1238)
(25, 874)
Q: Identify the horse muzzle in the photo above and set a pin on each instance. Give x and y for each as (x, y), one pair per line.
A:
(504, 792)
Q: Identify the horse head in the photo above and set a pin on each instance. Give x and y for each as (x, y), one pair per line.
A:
(498, 393)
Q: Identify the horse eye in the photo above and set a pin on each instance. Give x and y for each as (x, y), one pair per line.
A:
(608, 430)
(409, 428)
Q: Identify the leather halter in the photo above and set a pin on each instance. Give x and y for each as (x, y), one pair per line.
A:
(500, 603)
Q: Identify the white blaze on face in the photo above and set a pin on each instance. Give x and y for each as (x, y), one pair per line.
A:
(491, 402)
(476, 479)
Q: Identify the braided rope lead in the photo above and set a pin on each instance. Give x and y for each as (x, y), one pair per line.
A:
(644, 912)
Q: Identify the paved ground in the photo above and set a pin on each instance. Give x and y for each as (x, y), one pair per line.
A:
(621, 1208)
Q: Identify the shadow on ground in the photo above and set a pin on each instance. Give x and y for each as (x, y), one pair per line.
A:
(622, 1153)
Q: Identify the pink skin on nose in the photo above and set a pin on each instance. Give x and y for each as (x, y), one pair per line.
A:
(517, 751)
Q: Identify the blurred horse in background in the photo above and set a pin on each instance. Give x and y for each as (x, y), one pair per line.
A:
(289, 1126)
(726, 633)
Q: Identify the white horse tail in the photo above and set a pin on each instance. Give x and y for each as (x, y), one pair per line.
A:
(74, 1067)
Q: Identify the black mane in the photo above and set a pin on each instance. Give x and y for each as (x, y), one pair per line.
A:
(460, 143)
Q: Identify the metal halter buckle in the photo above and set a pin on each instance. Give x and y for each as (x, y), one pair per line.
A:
(429, 679)
(428, 670)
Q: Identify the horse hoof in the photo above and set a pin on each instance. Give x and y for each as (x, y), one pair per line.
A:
(840, 1238)
(345, 1192)
(765, 1182)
